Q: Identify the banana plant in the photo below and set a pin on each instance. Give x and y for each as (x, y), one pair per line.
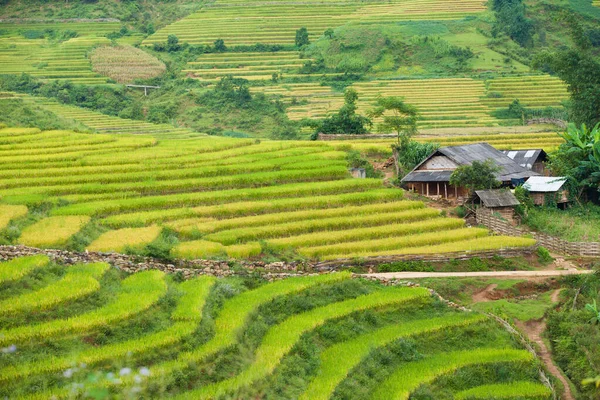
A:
(593, 308)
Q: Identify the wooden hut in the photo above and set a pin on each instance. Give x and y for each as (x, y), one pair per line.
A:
(431, 177)
(541, 188)
(499, 202)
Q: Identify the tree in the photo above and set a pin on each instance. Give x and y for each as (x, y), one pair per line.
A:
(400, 118)
(346, 121)
(579, 68)
(479, 175)
(302, 37)
(579, 157)
(328, 33)
(173, 43)
(219, 46)
(511, 19)
(409, 156)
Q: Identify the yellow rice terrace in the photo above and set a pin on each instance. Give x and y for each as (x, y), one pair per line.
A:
(147, 335)
(211, 197)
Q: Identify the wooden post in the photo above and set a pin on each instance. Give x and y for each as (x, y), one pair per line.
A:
(455, 192)
(438, 189)
(427, 189)
(145, 91)
(445, 190)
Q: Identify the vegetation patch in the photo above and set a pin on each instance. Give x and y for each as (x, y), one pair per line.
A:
(125, 64)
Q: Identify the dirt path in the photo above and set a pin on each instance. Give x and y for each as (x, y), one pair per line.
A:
(484, 274)
(533, 330)
(484, 295)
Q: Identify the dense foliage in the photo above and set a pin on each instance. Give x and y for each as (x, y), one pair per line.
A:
(476, 176)
(346, 121)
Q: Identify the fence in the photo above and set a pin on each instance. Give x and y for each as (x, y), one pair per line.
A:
(586, 249)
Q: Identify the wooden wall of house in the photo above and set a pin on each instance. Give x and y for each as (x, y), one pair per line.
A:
(539, 198)
(438, 189)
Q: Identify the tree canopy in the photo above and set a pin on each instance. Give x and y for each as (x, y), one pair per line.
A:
(477, 176)
(346, 121)
(398, 117)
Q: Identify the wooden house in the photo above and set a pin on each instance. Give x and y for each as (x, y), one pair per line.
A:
(541, 188)
(431, 177)
(499, 202)
(534, 159)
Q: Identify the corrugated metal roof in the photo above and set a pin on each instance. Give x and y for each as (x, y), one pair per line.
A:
(545, 183)
(525, 158)
(497, 198)
(466, 154)
(428, 176)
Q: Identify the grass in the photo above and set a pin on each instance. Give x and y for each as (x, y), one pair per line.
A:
(79, 281)
(338, 360)
(523, 310)
(138, 293)
(19, 267)
(52, 231)
(576, 224)
(512, 390)
(281, 338)
(406, 379)
(121, 240)
(186, 317)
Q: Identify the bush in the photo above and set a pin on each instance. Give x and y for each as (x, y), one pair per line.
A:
(544, 256)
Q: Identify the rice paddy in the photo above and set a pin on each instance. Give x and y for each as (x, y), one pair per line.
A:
(221, 198)
(170, 338)
(124, 64)
(249, 23)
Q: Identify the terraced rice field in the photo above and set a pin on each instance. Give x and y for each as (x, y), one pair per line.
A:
(222, 197)
(51, 61)
(249, 23)
(150, 335)
(507, 140)
(101, 122)
(125, 64)
(248, 65)
(532, 91)
(448, 102)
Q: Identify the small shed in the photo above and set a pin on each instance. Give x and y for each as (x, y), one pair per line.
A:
(498, 201)
(533, 160)
(542, 187)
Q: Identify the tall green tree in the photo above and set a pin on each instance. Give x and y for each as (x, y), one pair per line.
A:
(579, 68)
(477, 176)
(302, 37)
(398, 117)
(346, 121)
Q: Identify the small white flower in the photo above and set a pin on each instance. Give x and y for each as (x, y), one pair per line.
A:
(82, 365)
(110, 375)
(68, 373)
(144, 371)
(10, 349)
(125, 371)
(137, 379)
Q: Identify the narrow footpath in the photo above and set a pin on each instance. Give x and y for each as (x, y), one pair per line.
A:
(483, 274)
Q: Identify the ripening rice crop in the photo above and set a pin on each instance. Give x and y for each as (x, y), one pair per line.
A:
(122, 239)
(19, 267)
(52, 231)
(281, 338)
(406, 379)
(138, 293)
(198, 249)
(511, 390)
(10, 212)
(125, 64)
(338, 360)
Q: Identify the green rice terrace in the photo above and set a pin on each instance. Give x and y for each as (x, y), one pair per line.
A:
(211, 197)
(148, 335)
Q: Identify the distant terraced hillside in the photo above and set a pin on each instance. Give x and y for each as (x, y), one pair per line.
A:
(248, 23)
(445, 102)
